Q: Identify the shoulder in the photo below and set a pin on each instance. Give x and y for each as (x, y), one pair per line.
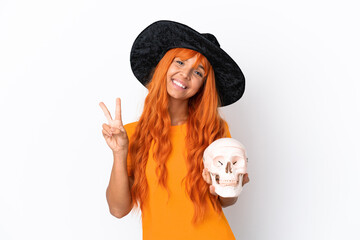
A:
(130, 128)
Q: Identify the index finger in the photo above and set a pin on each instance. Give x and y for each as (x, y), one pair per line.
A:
(118, 110)
(106, 111)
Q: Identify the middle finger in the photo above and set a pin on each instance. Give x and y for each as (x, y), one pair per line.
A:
(118, 110)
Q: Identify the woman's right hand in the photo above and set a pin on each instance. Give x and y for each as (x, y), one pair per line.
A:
(114, 132)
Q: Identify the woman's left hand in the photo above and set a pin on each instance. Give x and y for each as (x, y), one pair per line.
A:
(207, 179)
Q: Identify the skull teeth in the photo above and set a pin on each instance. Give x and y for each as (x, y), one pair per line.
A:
(227, 182)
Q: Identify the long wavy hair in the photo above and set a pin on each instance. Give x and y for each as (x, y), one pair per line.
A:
(204, 125)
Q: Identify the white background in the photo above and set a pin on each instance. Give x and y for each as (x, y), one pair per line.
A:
(299, 116)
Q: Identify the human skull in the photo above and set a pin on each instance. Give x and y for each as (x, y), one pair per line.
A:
(226, 161)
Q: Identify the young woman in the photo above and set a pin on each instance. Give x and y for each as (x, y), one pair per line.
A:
(158, 160)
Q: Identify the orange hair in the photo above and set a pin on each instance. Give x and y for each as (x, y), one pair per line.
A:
(204, 125)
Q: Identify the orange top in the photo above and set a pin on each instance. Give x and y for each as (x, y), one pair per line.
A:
(170, 218)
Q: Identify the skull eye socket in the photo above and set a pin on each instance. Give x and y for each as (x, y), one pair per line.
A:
(237, 161)
(218, 161)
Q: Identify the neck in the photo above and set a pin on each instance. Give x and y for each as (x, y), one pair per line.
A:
(178, 111)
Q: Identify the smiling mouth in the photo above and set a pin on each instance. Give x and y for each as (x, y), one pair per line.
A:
(178, 84)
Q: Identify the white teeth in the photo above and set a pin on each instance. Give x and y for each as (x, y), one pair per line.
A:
(179, 84)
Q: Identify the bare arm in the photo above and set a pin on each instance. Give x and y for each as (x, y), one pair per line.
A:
(118, 191)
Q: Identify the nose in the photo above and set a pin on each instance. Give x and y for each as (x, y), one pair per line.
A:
(228, 168)
(185, 72)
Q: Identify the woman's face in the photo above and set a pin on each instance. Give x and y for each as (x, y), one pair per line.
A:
(184, 80)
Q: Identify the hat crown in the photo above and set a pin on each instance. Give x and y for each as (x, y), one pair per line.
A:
(211, 38)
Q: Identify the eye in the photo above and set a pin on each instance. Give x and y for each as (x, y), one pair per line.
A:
(220, 163)
(198, 73)
(180, 62)
(234, 162)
